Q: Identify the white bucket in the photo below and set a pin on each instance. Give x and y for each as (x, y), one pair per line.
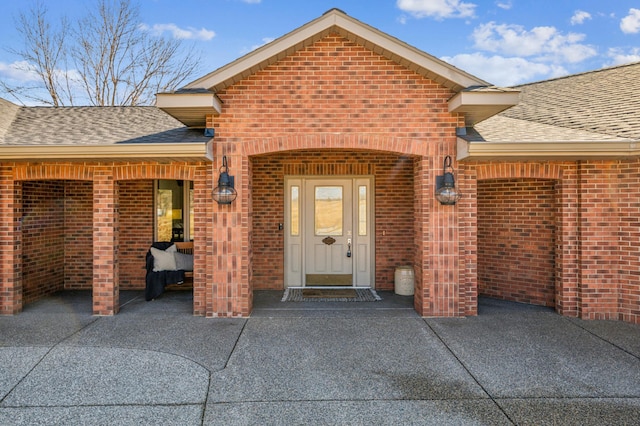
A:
(404, 280)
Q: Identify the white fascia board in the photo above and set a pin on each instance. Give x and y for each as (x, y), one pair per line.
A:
(97, 152)
(546, 150)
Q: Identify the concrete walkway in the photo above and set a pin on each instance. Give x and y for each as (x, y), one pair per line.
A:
(313, 363)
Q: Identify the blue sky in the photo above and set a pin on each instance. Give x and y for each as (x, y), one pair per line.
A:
(505, 42)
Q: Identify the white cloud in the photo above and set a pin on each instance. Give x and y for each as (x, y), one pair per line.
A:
(438, 9)
(20, 71)
(630, 24)
(619, 56)
(265, 40)
(544, 43)
(506, 5)
(251, 1)
(189, 33)
(503, 71)
(579, 17)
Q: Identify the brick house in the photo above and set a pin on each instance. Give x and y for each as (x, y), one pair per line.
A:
(339, 115)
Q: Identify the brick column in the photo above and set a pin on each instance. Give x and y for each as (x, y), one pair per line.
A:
(568, 243)
(467, 207)
(437, 246)
(422, 272)
(203, 212)
(105, 244)
(228, 293)
(10, 262)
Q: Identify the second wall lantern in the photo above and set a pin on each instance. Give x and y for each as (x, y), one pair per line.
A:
(224, 193)
(446, 191)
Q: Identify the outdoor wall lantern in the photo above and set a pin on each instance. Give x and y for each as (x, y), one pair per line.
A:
(224, 193)
(446, 186)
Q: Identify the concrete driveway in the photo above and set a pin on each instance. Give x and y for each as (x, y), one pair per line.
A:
(313, 363)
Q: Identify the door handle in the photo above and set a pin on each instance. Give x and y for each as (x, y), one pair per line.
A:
(349, 247)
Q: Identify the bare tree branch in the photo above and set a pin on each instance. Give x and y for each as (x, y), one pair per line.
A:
(115, 61)
(44, 52)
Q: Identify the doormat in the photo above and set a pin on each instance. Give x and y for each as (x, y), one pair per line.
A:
(330, 295)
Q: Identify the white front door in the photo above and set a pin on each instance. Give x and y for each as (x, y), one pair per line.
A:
(328, 239)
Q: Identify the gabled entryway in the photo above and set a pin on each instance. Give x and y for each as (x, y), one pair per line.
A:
(330, 103)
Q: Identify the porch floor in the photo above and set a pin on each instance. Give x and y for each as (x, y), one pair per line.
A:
(365, 363)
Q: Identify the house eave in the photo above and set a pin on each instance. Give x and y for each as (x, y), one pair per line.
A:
(480, 105)
(163, 152)
(578, 150)
(191, 109)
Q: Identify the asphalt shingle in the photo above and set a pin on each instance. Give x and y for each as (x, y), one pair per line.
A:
(92, 126)
(599, 105)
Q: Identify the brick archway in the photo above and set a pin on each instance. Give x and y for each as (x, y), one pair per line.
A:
(563, 178)
(350, 141)
(435, 227)
(98, 202)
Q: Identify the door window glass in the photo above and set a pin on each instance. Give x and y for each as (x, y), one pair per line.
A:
(295, 211)
(328, 210)
(362, 210)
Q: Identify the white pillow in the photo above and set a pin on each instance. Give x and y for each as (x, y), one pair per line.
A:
(163, 260)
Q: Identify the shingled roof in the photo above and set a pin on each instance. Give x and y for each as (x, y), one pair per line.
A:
(590, 115)
(600, 105)
(91, 126)
(97, 133)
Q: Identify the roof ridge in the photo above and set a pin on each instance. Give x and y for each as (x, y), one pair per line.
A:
(564, 77)
(8, 113)
(86, 106)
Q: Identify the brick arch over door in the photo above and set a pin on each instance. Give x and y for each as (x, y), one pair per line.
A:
(349, 141)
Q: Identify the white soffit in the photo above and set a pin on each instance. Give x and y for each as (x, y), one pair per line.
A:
(480, 105)
(190, 108)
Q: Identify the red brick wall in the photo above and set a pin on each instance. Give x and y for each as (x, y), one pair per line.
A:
(43, 239)
(136, 231)
(78, 235)
(516, 240)
(610, 247)
(393, 202)
(332, 86)
(628, 178)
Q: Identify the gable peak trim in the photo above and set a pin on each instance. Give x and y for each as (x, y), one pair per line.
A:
(335, 20)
